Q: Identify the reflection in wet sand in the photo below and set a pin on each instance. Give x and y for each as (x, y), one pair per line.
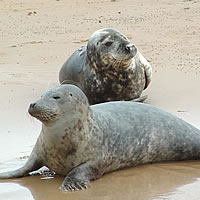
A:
(9, 191)
(172, 181)
(189, 191)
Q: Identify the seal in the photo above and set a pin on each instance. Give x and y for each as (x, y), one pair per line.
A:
(83, 142)
(108, 68)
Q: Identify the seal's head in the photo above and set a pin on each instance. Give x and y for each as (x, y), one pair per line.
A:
(62, 103)
(109, 48)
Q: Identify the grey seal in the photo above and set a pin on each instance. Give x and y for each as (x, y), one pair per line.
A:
(83, 142)
(108, 68)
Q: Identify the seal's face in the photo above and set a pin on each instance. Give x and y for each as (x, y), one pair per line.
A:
(58, 103)
(109, 48)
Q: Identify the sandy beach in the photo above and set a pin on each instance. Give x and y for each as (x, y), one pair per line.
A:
(36, 37)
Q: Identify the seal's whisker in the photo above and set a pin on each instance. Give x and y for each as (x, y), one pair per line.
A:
(45, 115)
(114, 63)
(119, 64)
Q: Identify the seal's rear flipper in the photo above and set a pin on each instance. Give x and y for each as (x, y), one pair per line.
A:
(140, 99)
(31, 165)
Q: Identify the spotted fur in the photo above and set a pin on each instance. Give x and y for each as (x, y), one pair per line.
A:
(108, 68)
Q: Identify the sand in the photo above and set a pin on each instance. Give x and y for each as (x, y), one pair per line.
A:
(36, 37)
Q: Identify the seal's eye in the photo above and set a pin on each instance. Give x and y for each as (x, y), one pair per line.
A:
(56, 97)
(108, 44)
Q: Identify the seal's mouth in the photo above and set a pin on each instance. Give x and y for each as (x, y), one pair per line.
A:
(121, 63)
(124, 56)
(45, 115)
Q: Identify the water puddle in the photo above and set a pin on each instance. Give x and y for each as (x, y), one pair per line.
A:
(11, 191)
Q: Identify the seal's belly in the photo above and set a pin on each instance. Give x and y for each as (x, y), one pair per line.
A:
(59, 158)
(53, 156)
(55, 160)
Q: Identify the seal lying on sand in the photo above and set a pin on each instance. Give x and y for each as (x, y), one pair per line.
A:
(108, 68)
(84, 142)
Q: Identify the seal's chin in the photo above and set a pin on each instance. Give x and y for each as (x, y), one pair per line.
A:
(124, 58)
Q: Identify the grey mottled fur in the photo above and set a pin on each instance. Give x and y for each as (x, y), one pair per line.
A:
(107, 73)
(84, 142)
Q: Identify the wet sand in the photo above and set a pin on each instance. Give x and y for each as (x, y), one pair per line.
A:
(37, 37)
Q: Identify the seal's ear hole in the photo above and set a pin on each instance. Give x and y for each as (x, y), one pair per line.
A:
(70, 94)
(97, 43)
(108, 44)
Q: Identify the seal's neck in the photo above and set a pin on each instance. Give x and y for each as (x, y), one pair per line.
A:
(101, 66)
(71, 126)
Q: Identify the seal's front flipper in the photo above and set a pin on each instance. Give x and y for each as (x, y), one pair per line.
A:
(32, 164)
(147, 68)
(147, 80)
(71, 183)
(79, 178)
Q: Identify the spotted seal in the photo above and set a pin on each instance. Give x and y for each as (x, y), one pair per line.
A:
(108, 68)
(84, 142)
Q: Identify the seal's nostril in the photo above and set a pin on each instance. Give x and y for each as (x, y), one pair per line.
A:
(32, 105)
(129, 47)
